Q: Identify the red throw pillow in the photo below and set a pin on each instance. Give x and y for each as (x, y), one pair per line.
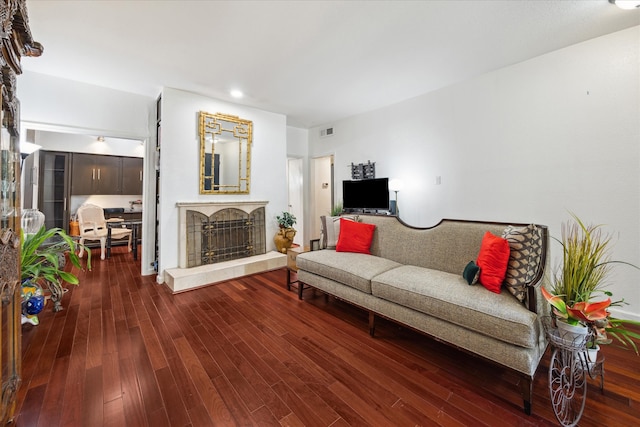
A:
(355, 237)
(493, 260)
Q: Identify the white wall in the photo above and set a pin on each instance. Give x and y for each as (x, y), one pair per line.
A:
(526, 143)
(179, 164)
(79, 143)
(59, 105)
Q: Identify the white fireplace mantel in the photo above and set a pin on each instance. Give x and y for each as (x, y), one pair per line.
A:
(182, 278)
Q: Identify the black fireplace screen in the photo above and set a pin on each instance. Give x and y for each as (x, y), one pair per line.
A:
(226, 235)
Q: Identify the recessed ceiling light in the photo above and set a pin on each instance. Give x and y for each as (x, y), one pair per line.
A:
(626, 4)
(236, 93)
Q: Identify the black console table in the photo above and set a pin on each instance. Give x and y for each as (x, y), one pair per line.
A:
(134, 225)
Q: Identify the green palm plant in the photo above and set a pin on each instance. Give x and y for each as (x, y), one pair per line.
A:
(577, 293)
(40, 260)
(586, 262)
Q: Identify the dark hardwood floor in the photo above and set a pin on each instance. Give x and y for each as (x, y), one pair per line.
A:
(247, 352)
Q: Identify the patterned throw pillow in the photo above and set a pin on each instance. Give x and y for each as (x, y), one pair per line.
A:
(524, 259)
(330, 229)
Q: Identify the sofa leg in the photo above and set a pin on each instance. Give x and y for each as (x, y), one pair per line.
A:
(527, 393)
(372, 323)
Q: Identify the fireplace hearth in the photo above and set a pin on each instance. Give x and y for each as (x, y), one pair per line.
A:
(220, 241)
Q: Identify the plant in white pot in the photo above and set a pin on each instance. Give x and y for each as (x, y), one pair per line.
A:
(577, 296)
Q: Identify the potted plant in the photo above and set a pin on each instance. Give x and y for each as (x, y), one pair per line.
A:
(42, 261)
(284, 237)
(577, 296)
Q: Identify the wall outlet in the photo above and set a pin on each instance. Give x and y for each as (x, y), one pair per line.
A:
(438, 180)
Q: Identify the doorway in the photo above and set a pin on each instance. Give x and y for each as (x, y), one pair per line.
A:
(295, 184)
(322, 191)
(74, 141)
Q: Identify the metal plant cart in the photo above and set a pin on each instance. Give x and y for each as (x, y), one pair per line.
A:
(568, 370)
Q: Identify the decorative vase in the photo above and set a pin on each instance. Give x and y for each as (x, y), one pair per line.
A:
(284, 239)
(32, 220)
(573, 334)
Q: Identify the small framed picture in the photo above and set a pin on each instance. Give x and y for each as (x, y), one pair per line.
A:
(314, 244)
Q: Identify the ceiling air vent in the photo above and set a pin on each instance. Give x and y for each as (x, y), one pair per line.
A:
(326, 132)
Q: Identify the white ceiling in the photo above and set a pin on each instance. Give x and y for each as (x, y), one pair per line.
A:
(315, 61)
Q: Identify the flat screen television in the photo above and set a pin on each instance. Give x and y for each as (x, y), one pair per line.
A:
(365, 195)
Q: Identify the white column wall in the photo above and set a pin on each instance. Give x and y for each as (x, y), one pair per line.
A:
(179, 164)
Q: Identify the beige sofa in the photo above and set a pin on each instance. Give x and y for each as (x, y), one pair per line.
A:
(413, 276)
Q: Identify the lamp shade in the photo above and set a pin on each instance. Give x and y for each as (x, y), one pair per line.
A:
(396, 184)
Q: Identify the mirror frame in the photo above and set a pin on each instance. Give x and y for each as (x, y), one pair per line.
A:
(243, 130)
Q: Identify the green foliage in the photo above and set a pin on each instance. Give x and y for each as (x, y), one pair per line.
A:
(40, 256)
(286, 220)
(578, 288)
(336, 210)
(586, 261)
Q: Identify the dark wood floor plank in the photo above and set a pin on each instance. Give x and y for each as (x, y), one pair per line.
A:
(342, 408)
(40, 374)
(145, 374)
(324, 412)
(109, 336)
(264, 418)
(93, 410)
(132, 401)
(114, 413)
(298, 406)
(30, 411)
(152, 345)
(66, 340)
(73, 402)
(233, 402)
(176, 411)
(125, 351)
(94, 346)
(54, 397)
(209, 396)
(370, 413)
(200, 416)
(111, 380)
(185, 385)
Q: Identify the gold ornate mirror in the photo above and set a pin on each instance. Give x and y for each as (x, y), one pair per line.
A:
(225, 154)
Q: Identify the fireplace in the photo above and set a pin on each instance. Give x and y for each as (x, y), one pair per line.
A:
(226, 235)
(220, 241)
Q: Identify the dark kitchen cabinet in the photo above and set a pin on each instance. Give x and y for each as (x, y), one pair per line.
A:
(53, 188)
(96, 174)
(132, 175)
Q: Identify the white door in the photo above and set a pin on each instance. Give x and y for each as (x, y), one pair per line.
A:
(296, 196)
(322, 191)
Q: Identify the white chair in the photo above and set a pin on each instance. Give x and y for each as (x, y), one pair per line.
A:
(93, 226)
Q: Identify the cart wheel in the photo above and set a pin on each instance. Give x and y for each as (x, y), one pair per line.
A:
(567, 386)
